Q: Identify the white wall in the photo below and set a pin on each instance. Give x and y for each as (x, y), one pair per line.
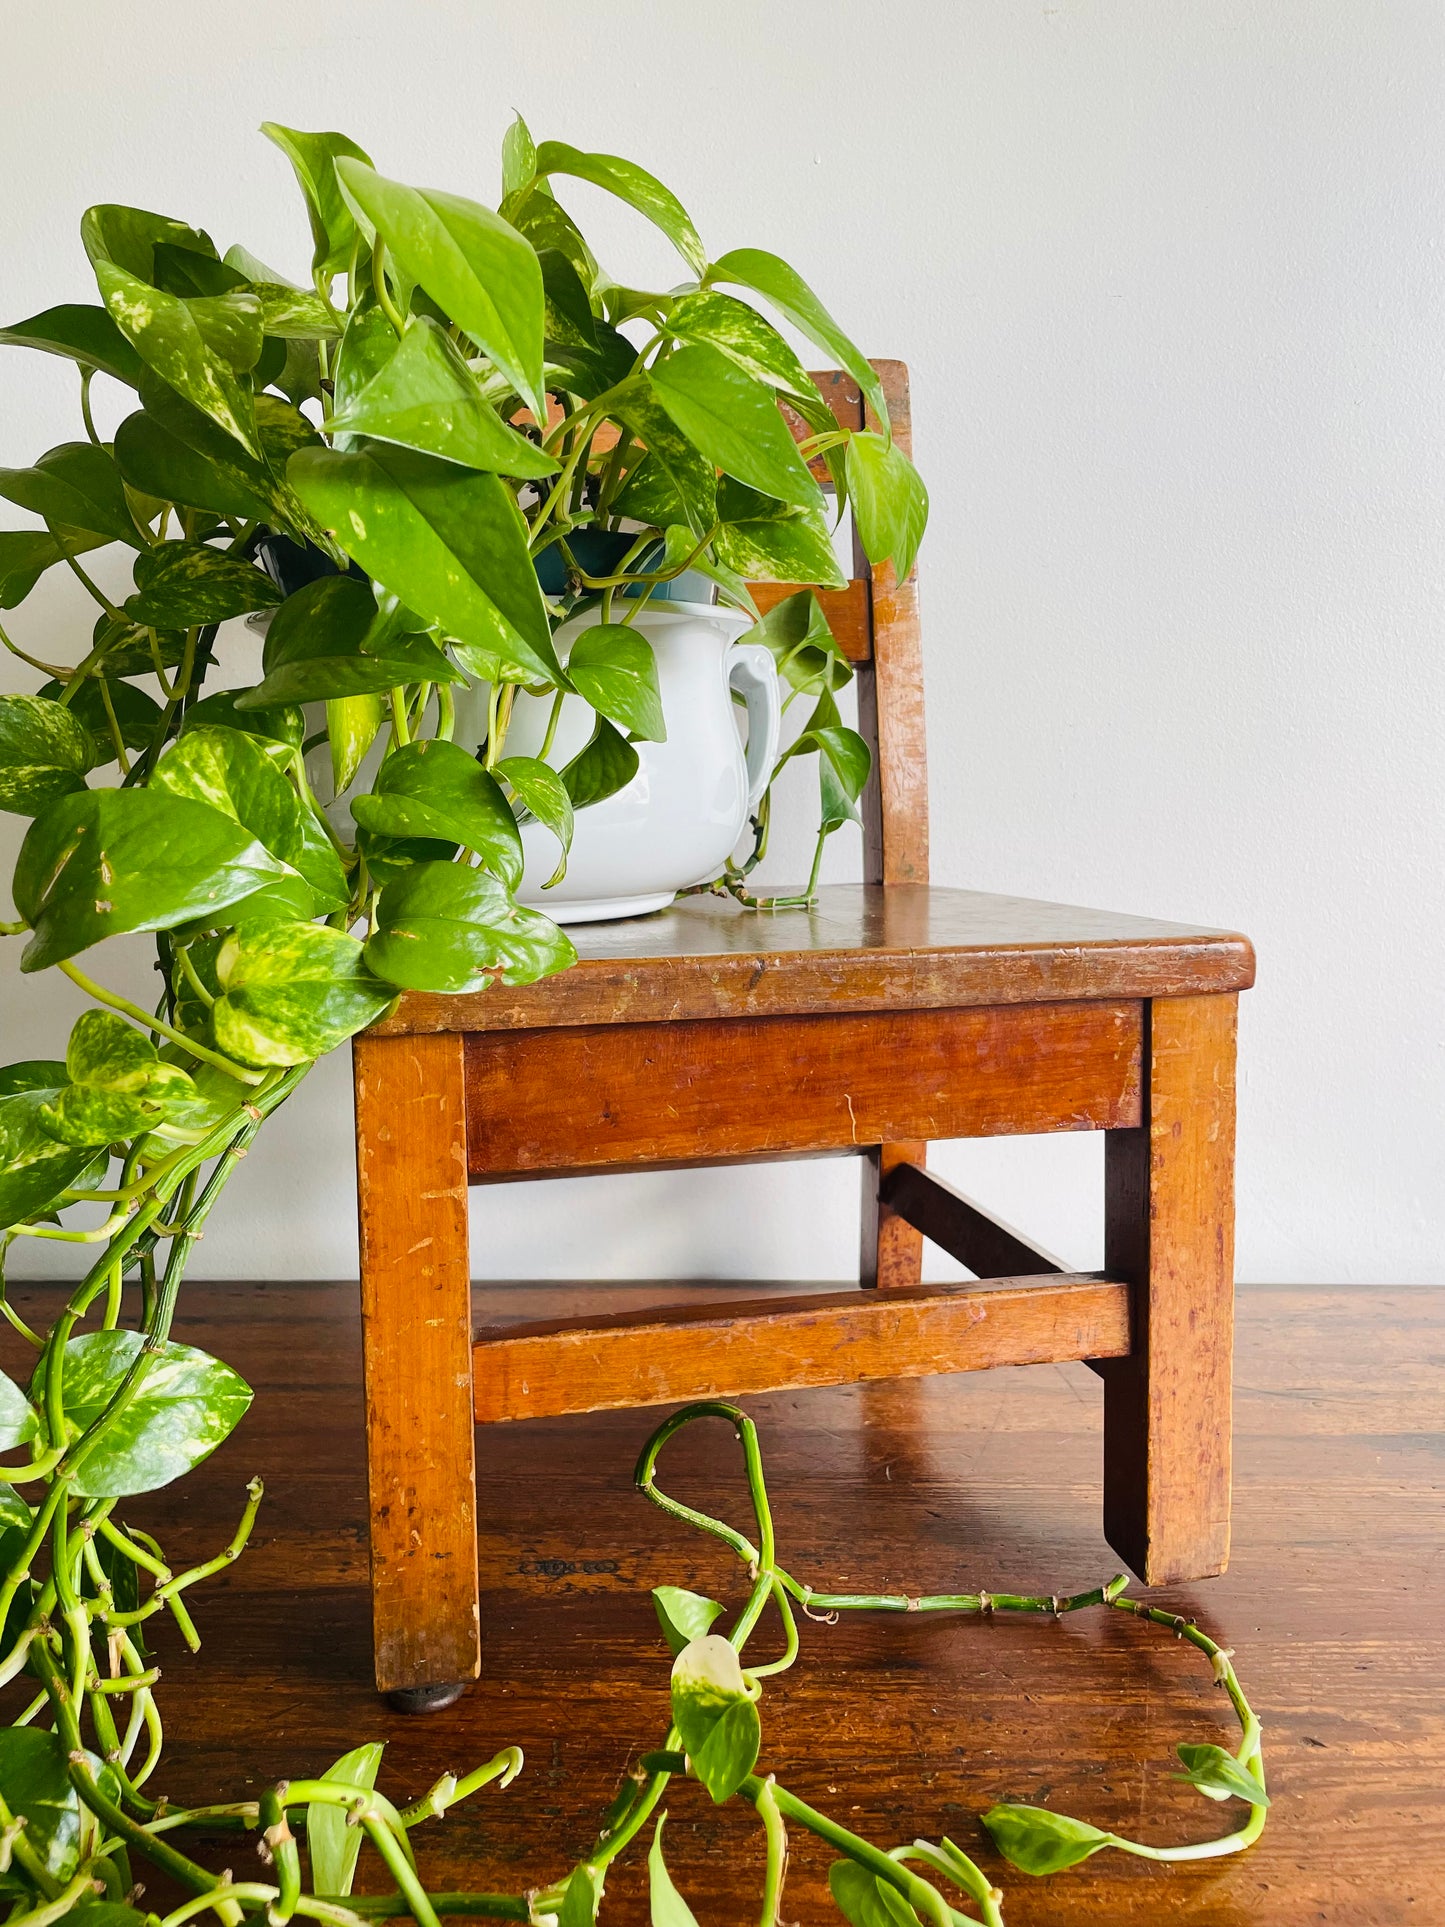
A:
(1170, 281)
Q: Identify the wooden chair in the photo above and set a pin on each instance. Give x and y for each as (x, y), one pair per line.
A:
(892, 1014)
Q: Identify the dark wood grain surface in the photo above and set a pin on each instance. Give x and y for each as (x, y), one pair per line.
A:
(862, 947)
(901, 1725)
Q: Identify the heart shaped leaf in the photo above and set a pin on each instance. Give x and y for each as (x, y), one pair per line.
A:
(186, 1403)
(616, 670)
(541, 792)
(605, 765)
(1039, 1842)
(201, 347)
(470, 261)
(796, 633)
(352, 726)
(118, 1087)
(734, 420)
(443, 539)
(426, 397)
(106, 861)
(314, 157)
(433, 788)
(291, 992)
(445, 927)
(741, 333)
(633, 184)
(44, 753)
(780, 549)
(866, 1901)
(74, 486)
(25, 555)
(889, 500)
(35, 1170)
(329, 639)
(711, 1710)
(1219, 1775)
(683, 1616)
(157, 463)
(786, 290)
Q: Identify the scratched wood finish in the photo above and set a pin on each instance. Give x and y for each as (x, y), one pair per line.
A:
(674, 1353)
(416, 1312)
(649, 1094)
(917, 1724)
(863, 947)
(1169, 1228)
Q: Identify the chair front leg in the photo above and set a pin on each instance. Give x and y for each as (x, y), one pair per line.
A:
(417, 1335)
(1169, 1230)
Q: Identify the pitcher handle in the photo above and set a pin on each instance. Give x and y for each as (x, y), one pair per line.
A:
(751, 668)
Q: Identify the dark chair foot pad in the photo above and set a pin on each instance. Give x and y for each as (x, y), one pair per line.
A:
(426, 1699)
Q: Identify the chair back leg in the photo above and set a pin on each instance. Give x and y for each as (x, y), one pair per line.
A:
(891, 1252)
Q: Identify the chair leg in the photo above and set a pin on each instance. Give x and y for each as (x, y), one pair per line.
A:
(417, 1334)
(892, 1251)
(1170, 1232)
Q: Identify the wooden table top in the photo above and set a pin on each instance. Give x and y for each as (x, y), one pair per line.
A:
(862, 947)
(900, 1725)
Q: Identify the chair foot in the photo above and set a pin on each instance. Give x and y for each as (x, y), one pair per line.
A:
(426, 1699)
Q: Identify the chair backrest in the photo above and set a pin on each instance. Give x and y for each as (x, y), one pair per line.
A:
(875, 621)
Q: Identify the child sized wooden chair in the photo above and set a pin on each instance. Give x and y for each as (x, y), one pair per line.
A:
(890, 1015)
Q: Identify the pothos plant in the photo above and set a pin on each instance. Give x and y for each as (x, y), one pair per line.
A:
(461, 434)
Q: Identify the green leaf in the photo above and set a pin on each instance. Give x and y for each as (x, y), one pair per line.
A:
(427, 397)
(790, 548)
(25, 555)
(843, 765)
(232, 772)
(191, 271)
(182, 583)
(741, 333)
(158, 463)
(18, 1418)
(366, 347)
(712, 1712)
(615, 669)
(74, 486)
(352, 726)
(286, 723)
(292, 992)
(106, 861)
(1219, 1775)
(519, 156)
(541, 791)
(433, 788)
(866, 1901)
(35, 1782)
(129, 236)
(314, 156)
(475, 264)
(796, 632)
(666, 1905)
(548, 225)
(328, 639)
(735, 422)
(331, 1840)
(445, 927)
(126, 648)
(33, 1168)
(790, 294)
(185, 1405)
(44, 753)
(683, 1616)
(246, 474)
(1039, 1842)
(446, 540)
(570, 319)
(582, 1898)
(607, 764)
(118, 1087)
(202, 348)
(690, 476)
(80, 332)
(889, 500)
(634, 185)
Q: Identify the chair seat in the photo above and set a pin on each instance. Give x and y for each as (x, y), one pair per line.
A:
(862, 947)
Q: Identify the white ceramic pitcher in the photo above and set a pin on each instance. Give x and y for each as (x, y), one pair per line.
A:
(685, 810)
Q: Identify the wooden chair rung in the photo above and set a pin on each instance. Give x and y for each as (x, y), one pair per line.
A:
(547, 1369)
(989, 1248)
